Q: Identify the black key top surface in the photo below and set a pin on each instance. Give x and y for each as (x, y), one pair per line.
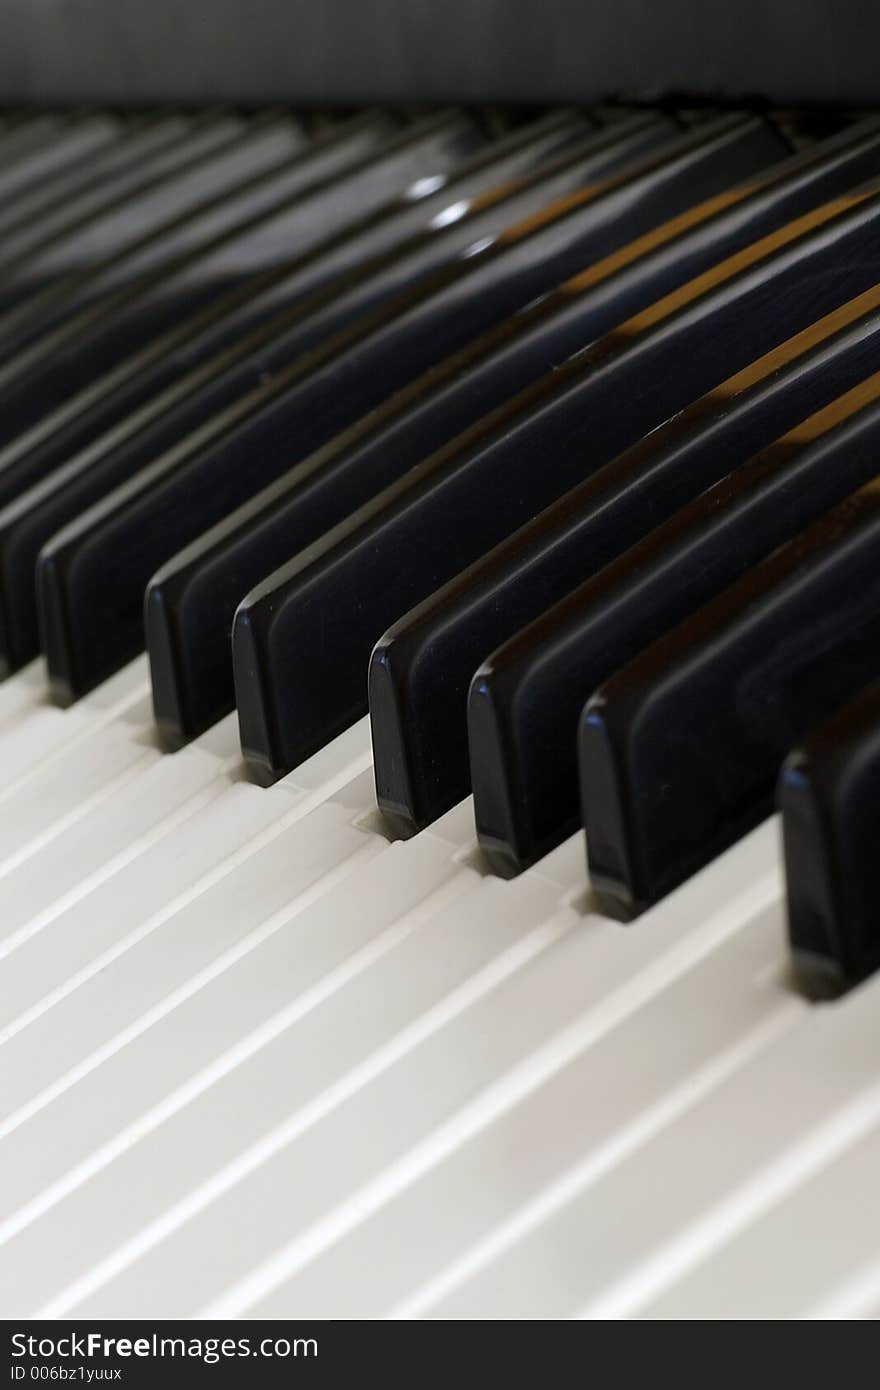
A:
(414, 537)
(421, 669)
(680, 750)
(299, 408)
(524, 702)
(59, 398)
(192, 602)
(119, 353)
(86, 234)
(40, 174)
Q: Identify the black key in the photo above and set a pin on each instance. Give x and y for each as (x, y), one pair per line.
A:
(166, 285)
(829, 794)
(54, 190)
(338, 230)
(81, 230)
(524, 702)
(46, 166)
(146, 336)
(297, 409)
(235, 184)
(421, 669)
(458, 504)
(213, 243)
(261, 357)
(206, 390)
(192, 601)
(147, 147)
(680, 750)
(24, 142)
(174, 215)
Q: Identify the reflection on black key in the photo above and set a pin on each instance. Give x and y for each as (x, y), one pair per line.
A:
(193, 211)
(176, 177)
(421, 669)
(302, 405)
(524, 704)
(87, 185)
(192, 601)
(680, 750)
(66, 180)
(68, 398)
(264, 251)
(337, 234)
(76, 143)
(25, 142)
(437, 520)
(829, 796)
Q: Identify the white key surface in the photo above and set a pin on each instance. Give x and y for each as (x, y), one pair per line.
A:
(253, 1049)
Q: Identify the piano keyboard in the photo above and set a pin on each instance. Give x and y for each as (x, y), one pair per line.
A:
(383, 498)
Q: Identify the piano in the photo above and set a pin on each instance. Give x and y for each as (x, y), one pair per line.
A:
(439, 624)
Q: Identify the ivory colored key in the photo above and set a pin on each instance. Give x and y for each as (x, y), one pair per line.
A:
(437, 1221)
(804, 1257)
(471, 1055)
(84, 851)
(775, 1121)
(303, 955)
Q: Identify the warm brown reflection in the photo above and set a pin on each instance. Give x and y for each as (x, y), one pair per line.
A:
(665, 232)
(658, 236)
(552, 212)
(786, 353)
(742, 260)
(837, 411)
(799, 344)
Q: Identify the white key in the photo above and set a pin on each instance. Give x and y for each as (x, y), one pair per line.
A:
(158, 952)
(72, 903)
(313, 1068)
(304, 1050)
(26, 690)
(117, 905)
(43, 730)
(95, 846)
(771, 1126)
(302, 958)
(602, 1104)
(858, 1296)
(463, 1064)
(66, 789)
(802, 1258)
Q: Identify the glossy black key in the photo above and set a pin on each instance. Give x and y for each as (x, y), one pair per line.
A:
(84, 234)
(74, 179)
(457, 505)
(297, 409)
(192, 601)
(525, 701)
(124, 248)
(147, 234)
(26, 141)
(47, 166)
(679, 752)
(421, 669)
(147, 149)
(255, 363)
(289, 227)
(828, 795)
(339, 232)
(99, 364)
